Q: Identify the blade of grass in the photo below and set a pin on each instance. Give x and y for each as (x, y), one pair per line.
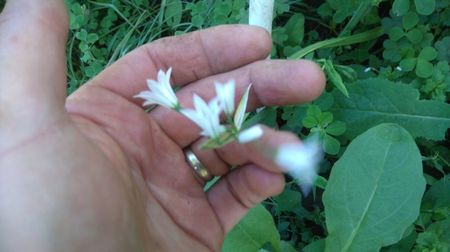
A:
(340, 41)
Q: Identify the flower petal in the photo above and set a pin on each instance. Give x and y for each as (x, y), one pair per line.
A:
(239, 115)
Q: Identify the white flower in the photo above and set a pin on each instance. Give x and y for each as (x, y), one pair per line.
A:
(225, 94)
(367, 69)
(300, 161)
(206, 116)
(239, 116)
(251, 134)
(160, 92)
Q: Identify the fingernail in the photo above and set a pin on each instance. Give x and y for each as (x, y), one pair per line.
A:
(251, 134)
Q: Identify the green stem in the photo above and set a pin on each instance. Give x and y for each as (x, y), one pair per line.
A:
(340, 41)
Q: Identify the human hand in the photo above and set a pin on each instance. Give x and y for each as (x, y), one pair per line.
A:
(95, 172)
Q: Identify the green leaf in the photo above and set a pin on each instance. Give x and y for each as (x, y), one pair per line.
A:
(315, 246)
(374, 190)
(396, 33)
(331, 145)
(325, 118)
(336, 128)
(410, 20)
(295, 28)
(424, 69)
(400, 7)
(405, 244)
(415, 36)
(428, 53)
(173, 12)
(288, 200)
(378, 100)
(313, 116)
(408, 64)
(252, 232)
(321, 182)
(437, 198)
(287, 247)
(334, 77)
(443, 48)
(425, 7)
(91, 38)
(435, 238)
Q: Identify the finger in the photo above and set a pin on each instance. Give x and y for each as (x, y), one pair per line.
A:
(259, 150)
(274, 83)
(240, 190)
(32, 56)
(192, 56)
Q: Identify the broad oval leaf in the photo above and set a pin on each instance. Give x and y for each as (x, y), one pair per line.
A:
(400, 7)
(252, 232)
(374, 190)
(377, 100)
(425, 7)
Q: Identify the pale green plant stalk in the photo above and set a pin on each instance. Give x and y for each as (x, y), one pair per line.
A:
(261, 14)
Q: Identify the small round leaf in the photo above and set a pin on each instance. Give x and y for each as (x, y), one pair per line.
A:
(408, 64)
(400, 7)
(428, 53)
(424, 69)
(410, 20)
(396, 33)
(415, 36)
(425, 7)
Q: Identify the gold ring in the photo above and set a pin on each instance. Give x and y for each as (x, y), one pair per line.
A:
(198, 167)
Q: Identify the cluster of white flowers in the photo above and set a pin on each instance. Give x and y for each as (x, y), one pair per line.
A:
(299, 160)
(206, 115)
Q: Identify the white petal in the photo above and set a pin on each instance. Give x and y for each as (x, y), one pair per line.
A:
(301, 161)
(250, 134)
(239, 115)
(225, 93)
(160, 92)
(206, 116)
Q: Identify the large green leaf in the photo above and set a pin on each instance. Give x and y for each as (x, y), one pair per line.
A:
(375, 101)
(374, 190)
(252, 232)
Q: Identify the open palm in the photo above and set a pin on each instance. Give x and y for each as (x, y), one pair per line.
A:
(95, 172)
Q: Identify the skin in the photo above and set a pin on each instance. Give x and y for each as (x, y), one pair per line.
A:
(94, 172)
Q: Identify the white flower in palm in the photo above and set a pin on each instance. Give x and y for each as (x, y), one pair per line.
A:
(160, 92)
(206, 116)
(300, 161)
(225, 93)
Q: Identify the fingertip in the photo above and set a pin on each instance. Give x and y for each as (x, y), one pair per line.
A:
(262, 40)
(315, 77)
